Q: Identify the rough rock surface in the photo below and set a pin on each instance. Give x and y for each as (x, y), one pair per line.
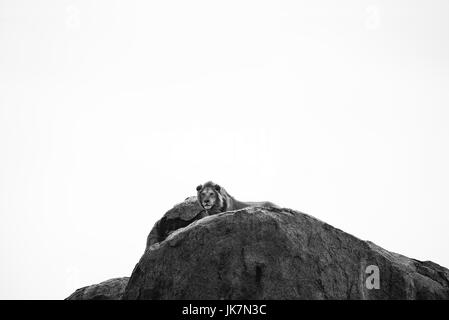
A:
(259, 253)
(266, 253)
(111, 289)
(181, 215)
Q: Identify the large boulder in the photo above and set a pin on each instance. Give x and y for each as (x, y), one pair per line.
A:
(111, 289)
(269, 253)
(266, 253)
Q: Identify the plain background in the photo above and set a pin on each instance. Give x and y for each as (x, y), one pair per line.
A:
(111, 112)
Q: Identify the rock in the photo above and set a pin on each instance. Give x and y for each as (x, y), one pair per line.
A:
(181, 215)
(112, 289)
(269, 253)
(266, 253)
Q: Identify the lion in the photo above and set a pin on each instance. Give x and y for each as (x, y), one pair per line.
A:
(215, 199)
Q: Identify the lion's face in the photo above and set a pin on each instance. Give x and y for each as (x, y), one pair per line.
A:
(207, 197)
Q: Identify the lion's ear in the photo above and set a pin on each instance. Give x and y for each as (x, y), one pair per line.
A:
(199, 187)
(217, 187)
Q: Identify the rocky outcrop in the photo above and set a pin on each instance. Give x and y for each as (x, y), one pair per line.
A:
(270, 253)
(180, 216)
(112, 289)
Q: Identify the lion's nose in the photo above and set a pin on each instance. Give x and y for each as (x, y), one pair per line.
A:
(206, 201)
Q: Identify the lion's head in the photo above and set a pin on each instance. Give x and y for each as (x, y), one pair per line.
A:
(209, 196)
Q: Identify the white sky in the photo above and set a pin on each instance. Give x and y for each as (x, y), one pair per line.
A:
(111, 112)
